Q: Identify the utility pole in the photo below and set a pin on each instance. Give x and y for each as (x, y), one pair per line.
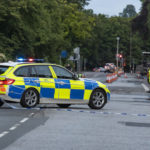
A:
(130, 50)
(118, 38)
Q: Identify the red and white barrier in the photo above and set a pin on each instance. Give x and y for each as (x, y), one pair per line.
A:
(138, 75)
(120, 72)
(111, 77)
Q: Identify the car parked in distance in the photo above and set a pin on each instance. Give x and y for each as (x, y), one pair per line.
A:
(102, 69)
(99, 69)
(110, 67)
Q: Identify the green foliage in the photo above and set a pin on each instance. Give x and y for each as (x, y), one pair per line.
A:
(141, 26)
(128, 12)
(80, 3)
(42, 29)
(140, 22)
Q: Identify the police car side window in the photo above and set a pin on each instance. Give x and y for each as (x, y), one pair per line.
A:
(62, 73)
(43, 71)
(22, 72)
(33, 72)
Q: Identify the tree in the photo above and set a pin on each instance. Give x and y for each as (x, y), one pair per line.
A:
(80, 3)
(128, 12)
(43, 29)
(141, 24)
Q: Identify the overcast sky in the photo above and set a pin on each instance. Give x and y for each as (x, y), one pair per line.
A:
(112, 7)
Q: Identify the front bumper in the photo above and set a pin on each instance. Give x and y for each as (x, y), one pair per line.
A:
(108, 96)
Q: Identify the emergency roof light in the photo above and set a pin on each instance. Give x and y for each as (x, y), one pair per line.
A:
(29, 60)
(20, 59)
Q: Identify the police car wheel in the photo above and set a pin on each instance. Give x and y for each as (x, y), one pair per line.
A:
(98, 99)
(1, 103)
(30, 98)
(63, 105)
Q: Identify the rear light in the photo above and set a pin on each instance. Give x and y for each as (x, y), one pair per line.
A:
(7, 82)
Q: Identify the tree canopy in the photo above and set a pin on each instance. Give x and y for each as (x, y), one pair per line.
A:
(141, 24)
(129, 11)
(42, 29)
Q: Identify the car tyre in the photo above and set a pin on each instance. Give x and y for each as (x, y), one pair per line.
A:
(63, 105)
(98, 99)
(30, 98)
(1, 103)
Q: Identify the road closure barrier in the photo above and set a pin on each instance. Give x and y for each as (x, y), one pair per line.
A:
(138, 75)
(111, 77)
(120, 72)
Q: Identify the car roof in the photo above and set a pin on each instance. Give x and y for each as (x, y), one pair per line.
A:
(13, 64)
(10, 63)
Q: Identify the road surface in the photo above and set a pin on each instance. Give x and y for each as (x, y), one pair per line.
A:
(123, 124)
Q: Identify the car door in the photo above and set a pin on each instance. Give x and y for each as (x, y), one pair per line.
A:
(42, 77)
(67, 87)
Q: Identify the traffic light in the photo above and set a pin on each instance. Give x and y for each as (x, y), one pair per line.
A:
(120, 56)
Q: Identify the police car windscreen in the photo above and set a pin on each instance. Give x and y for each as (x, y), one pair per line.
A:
(3, 69)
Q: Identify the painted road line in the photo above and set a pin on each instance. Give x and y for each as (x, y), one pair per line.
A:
(14, 127)
(3, 134)
(31, 114)
(24, 120)
(146, 88)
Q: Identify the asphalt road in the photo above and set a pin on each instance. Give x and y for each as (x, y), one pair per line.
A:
(123, 124)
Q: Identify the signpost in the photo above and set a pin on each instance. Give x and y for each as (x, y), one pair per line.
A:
(77, 57)
(63, 55)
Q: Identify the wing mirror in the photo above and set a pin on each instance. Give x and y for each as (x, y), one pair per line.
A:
(75, 76)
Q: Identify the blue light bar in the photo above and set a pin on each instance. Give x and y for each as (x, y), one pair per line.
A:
(39, 60)
(20, 59)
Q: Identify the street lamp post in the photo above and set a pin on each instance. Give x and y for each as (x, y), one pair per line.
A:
(118, 38)
(130, 51)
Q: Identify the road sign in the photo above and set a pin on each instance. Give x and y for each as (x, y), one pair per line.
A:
(63, 54)
(76, 50)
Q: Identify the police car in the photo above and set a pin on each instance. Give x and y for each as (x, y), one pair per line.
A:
(32, 83)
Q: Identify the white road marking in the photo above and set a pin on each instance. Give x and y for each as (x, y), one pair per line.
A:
(14, 127)
(31, 114)
(3, 134)
(145, 87)
(24, 120)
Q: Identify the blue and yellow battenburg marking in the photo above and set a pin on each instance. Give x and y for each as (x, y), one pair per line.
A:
(55, 88)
